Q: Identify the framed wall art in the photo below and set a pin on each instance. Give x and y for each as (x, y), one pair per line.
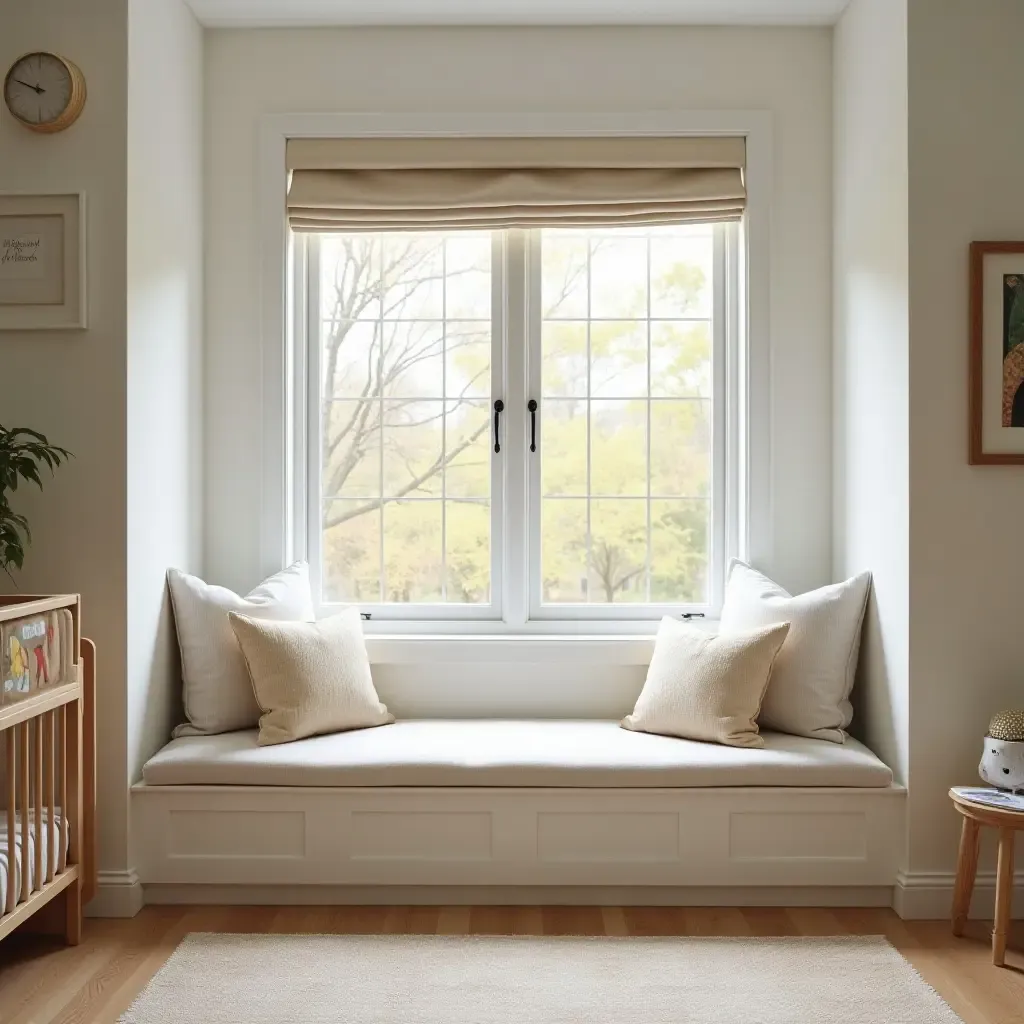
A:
(997, 354)
(42, 262)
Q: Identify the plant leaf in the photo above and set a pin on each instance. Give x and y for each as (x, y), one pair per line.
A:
(22, 452)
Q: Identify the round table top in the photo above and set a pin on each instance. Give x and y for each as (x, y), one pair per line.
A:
(1003, 817)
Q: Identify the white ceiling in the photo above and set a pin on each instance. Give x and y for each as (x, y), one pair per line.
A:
(270, 13)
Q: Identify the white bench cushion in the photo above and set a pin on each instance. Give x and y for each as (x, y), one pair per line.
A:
(560, 753)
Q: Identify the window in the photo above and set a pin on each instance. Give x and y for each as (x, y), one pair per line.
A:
(517, 426)
(402, 333)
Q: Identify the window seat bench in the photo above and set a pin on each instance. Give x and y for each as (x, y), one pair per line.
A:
(537, 811)
(558, 753)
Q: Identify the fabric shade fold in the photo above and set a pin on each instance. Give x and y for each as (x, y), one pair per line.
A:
(346, 185)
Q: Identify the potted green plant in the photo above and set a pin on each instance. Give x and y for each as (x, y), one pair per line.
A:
(23, 454)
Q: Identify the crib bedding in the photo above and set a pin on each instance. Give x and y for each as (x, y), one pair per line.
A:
(10, 865)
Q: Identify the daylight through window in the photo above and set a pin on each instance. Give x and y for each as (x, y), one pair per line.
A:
(517, 420)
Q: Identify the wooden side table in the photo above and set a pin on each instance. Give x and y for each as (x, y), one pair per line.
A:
(1008, 822)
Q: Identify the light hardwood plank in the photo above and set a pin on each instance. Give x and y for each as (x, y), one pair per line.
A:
(657, 921)
(527, 920)
(453, 921)
(814, 921)
(423, 920)
(489, 920)
(614, 921)
(769, 921)
(573, 921)
(713, 921)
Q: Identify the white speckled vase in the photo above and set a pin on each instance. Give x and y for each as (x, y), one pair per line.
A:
(1002, 763)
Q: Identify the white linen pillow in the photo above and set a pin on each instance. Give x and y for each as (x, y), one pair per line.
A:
(809, 690)
(310, 678)
(216, 690)
(705, 687)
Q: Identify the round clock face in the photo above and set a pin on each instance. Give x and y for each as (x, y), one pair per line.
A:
(38, 89)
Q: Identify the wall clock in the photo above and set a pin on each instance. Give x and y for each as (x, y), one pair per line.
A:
(45, 92)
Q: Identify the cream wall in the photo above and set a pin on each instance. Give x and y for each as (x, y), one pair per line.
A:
(164, 365)
(871, 342)
(71, 384)
(787, 71)
(966, 154)
(125, 396)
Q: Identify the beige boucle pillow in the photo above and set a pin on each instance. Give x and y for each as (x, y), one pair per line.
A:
(309, 678)
(703, 686)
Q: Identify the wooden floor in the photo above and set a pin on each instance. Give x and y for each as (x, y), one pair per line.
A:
(42, 981)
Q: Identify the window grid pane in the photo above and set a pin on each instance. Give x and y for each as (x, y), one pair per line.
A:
(405, 395)
(648, 440)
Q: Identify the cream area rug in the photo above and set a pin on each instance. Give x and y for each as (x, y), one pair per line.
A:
(347, 979)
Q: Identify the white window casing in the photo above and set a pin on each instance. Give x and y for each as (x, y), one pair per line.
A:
(740, 472)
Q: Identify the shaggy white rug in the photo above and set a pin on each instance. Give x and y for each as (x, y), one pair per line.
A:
(370, 979)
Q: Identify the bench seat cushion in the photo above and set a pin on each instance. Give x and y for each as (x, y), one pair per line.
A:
(502, 753)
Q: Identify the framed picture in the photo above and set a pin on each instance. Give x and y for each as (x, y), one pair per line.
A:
(997, 354)
(42, 262)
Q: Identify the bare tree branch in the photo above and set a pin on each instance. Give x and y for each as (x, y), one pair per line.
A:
(443, 460)
(396, 348)
(571, 280)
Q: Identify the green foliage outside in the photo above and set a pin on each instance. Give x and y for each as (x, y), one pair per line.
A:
(410, 419)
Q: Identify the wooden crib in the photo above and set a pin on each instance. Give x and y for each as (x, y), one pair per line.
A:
(48, 784)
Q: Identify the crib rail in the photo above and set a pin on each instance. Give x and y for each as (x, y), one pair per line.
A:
(48, 794)
(37, 786)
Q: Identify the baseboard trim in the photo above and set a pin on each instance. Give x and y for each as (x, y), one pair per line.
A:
(118, 894)
(928, 895)
(520, 895)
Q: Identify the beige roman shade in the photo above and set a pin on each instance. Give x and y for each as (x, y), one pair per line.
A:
(392, 184)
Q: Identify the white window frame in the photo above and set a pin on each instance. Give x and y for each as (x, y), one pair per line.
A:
(742, 481)
(516, 365)
(724, 535)
(306, 301)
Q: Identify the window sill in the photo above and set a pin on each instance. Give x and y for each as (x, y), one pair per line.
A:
(399, 649)
(600, 649)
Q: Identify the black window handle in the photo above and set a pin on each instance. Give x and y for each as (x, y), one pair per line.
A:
(499, 408)
(532, 406)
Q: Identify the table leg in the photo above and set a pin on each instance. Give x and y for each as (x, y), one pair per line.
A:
(1004, 896)
(966, 869)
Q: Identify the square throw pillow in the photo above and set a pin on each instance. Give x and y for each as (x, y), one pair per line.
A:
(216, 690)
(309, 677)
(809, 692)
(702, 686)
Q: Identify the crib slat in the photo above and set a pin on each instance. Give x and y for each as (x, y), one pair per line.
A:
(23, 780)
(12, 804)
(73, 753)
(37, 764)
(62, 749)
(53, 835)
